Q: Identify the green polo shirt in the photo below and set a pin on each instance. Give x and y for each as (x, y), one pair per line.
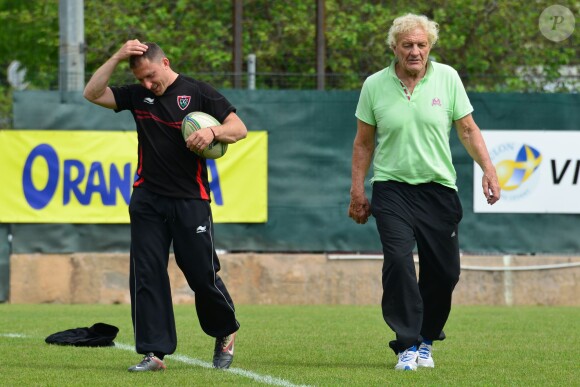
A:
(413, 134)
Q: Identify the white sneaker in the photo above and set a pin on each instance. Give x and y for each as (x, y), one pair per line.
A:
(407, 359)
(425, 358)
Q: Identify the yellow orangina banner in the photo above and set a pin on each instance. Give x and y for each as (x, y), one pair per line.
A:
(79, 176)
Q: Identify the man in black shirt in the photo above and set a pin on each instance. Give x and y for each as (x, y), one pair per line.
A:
(170, 200)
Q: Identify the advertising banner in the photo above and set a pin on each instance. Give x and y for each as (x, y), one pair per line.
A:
(80, 176)
(538, 171)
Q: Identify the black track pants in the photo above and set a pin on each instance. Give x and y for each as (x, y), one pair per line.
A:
(426, 215)
(156, 221)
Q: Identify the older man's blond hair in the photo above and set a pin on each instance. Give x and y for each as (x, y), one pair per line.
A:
(409, 22)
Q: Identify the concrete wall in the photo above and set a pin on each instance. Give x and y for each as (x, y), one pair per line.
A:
(291, 279)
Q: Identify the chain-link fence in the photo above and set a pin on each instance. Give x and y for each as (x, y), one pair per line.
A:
(567, 82)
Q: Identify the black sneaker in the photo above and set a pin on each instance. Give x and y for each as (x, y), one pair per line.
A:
(223, 353)
(150, 362)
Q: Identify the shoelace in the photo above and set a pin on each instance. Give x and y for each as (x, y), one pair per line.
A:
(220, 343)
(146, 359)
(424, 351)
(407, 355)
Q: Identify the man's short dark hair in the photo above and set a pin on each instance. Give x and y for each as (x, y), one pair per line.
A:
(154, 53)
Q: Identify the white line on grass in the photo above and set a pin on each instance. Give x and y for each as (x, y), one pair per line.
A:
(20, 335)
(266, 379)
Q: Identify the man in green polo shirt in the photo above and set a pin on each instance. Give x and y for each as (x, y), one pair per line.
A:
(404, 118)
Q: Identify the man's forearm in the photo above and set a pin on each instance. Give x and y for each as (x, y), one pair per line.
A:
(361, 161)
(98, 83)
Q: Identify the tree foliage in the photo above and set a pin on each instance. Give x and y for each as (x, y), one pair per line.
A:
(29, 31)
(495, 45)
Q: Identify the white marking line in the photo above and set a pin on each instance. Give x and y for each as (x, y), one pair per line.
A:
(12, 335)
(266, 379)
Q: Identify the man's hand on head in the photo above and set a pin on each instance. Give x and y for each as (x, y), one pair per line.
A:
(130, 48)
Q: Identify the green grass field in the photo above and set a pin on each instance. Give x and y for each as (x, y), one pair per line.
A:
(298, 345)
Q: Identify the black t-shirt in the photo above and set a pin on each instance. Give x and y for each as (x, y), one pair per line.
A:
(165, 165)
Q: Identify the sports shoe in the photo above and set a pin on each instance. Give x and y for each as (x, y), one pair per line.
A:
(425, 358)
(223, 353)
(150, 362)
(407, 359)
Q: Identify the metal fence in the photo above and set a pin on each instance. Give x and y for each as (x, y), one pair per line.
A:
(569, 83)
(525, 83)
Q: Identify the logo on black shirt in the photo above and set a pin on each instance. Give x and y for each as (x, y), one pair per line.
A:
(183, 101)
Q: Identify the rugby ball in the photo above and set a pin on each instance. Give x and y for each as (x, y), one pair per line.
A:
(195, 121)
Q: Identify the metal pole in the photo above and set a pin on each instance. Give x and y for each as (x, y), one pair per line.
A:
(72, 46)
(237, 49)
(252, 72)
(320, 45)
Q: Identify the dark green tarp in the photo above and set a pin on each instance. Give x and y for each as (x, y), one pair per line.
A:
(310, 146)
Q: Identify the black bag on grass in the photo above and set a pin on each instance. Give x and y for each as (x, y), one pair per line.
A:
(99, 335)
